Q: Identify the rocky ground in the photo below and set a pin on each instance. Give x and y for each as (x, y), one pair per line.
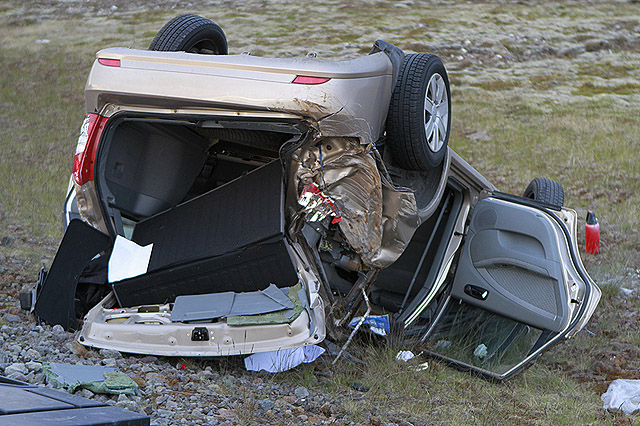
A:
(172, 391)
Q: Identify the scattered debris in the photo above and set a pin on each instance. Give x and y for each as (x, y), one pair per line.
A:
(95, 378)
(622, 394)
(317, 206)
(480, 351)
(405, 356)
(378, 324)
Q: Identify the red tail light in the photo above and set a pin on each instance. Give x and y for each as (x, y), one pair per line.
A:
(86, 150)
(303, 79)
(109, 62)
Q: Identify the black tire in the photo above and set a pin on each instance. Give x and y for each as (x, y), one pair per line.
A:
(190, 33)
(411, 146)
(546, 191)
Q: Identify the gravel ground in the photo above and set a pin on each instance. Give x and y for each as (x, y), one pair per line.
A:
(172, 391)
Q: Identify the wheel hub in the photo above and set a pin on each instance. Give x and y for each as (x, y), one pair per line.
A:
(436, 112)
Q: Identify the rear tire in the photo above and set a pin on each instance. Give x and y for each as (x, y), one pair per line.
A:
(546, 191)
(190, 33)
(419, 120)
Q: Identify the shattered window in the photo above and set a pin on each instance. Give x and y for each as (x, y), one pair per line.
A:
(481, 338)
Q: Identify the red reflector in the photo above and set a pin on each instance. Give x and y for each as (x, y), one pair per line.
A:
(303, 79)
(109, 62)
(86, 150)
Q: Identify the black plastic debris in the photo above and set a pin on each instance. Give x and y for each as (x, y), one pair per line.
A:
(22, 404)
(55, 301)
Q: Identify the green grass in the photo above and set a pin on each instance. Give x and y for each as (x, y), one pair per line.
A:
(538, 127)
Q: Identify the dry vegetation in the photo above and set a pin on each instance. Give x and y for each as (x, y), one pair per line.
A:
(552, 88)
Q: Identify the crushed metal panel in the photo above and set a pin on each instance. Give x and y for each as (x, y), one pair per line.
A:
(378, 219)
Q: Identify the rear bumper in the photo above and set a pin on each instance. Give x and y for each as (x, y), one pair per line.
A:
(154, 334)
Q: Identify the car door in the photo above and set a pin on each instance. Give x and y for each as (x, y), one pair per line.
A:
(518, 289)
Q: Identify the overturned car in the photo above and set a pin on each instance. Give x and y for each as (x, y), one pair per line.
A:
(233, 204)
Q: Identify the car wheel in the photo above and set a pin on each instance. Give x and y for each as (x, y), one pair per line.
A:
(546, 191)
(190, 33)
(419, 119)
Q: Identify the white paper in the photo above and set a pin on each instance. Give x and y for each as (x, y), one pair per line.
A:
(282, 360)
(128, 259)
(622, 395)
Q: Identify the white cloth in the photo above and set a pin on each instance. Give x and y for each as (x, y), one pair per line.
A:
(282, 360)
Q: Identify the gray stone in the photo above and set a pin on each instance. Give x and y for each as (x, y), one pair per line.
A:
(266, 404)
(109, 362)
(12, 318)
(15, 375)
(33, 366)
(85, 393)
(32, 354)
(110, 353)
(40, 379)
(128, 405)
(16, 367)
(58, 330)
(301, 392)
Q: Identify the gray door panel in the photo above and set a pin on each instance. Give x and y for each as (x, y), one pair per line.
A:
(510, 265)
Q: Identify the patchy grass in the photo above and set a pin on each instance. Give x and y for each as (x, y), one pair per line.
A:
(497, 85)
(589, 144)
(590, 89)
(606, 70)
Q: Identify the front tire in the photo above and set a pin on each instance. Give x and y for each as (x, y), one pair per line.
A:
(190, 33)
(419, 120)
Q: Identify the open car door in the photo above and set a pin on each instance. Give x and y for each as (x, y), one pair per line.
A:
(519, 288)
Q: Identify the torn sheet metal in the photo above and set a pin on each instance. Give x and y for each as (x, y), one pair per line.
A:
(347, 172)
(95, 378)
(128, 259)
(282, 360)
(399, 222)
(217, 305)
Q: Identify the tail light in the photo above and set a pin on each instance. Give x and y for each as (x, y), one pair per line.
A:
(304, 79)
(86, 150)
